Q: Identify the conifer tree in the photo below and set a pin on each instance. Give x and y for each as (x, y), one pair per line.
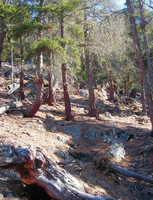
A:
(141, 63)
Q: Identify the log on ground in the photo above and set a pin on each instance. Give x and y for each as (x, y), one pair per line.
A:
(35, 168)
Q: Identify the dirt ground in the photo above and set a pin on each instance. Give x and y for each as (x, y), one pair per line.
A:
(45, 131)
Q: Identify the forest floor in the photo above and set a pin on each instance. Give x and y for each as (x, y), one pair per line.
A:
(52, 134)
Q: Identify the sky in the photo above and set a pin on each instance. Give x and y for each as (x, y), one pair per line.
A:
(120, 3)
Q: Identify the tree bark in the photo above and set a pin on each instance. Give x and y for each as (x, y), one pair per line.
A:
(149, 64)
(2, 37)
(141, 63)
(111, 87)
(81, 83)
(22, 95)
(68, 112)
(35, 168)
(92, 105)
(115, 86)
(35, 107)
(143, 100)
(51, 99)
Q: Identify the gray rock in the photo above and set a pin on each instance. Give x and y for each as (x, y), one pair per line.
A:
(108, 115)
(62, 124)
(109, 141)
(54, 128)
(74, 130)
(62, 139)
(62, 154)
(104, 138)
(28, 125)
(40, 122)
(83, 94)
(1, 196)
(50, 117)
(93, 133)
(117, 151)
(41, 129)
(150, 192)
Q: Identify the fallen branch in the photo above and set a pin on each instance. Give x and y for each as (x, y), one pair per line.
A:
(105, 164)
(131, 174)
(35, 168)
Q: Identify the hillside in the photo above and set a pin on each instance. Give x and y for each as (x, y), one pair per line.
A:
(78, 146)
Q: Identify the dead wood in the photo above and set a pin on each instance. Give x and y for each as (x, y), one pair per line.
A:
(105, 164)
(10, 107)
(128, 173)
(35, 168)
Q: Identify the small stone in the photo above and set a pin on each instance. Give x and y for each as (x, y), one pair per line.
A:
(108, 115)
(150, 192)
(109, 141)
(61, 139)
(28, 125)
(74, 130)
(1, 196)
(40, 122)
(50, 117)
(62, 124)
(104, 138)
(117, 151)
(54, 128)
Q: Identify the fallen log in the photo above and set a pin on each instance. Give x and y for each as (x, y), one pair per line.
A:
(10, 107)
(35, 168)
(132, 174)
(105, 164)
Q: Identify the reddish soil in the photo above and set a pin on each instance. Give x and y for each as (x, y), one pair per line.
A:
(38, 131)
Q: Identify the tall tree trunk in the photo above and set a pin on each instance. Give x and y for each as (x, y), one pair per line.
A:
(66, 95)
(22, 95)
(68, 111)
(51, 99)
(12, 60)
(22, 84)
(125, 89)
(144, 110)
(35, 107)
(111, 87)
(149, 64)
(92, 105)
(39, 83)
(140, 61)
(81, 83)
(115, 86)
(2, 37)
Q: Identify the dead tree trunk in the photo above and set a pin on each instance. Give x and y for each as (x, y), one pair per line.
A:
(22, 95)
(141, 63)
(35, 168)
(51, 99)
(35, 107)
(111, 87)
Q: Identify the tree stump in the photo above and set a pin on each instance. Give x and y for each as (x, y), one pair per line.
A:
(35, 168)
